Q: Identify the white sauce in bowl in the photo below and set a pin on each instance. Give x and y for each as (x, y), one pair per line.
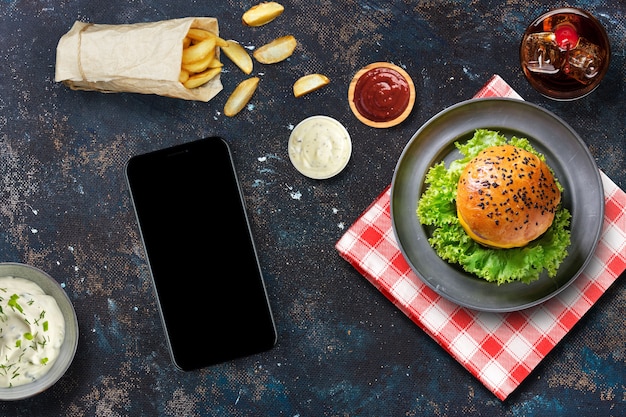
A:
(319, 147)
(32, 329)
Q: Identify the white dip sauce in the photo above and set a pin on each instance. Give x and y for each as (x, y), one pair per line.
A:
(32, 330)
(319, 147)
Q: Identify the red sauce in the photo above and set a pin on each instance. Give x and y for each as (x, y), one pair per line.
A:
(381, 94)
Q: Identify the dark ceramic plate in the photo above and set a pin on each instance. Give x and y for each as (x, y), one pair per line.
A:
(565, 153)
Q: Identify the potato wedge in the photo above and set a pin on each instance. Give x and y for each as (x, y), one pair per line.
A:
(196, 80)
(240, 57)
(198, 35)
(240, 96)
(198, 51)
(215, 63)
(277, 50)
(183, 76)
(309, 83)
(262, 13)
(203, 64)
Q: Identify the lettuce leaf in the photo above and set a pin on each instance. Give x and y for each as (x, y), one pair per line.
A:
(436, 209)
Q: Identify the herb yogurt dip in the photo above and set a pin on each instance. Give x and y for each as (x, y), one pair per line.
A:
(32, 329)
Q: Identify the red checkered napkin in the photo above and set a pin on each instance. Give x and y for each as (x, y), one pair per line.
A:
(500, 349)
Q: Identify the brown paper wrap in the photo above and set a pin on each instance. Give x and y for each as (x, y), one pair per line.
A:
(136, 58)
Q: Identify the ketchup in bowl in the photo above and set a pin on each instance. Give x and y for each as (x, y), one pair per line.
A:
(381, 95)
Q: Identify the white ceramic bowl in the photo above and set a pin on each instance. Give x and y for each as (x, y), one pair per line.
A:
(70, 343)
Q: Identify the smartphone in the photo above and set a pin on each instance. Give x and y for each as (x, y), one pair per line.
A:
(204, 266)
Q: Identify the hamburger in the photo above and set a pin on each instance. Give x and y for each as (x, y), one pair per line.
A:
(506, 197)
(497, 211)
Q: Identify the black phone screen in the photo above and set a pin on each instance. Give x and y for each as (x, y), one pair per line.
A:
(207, 278)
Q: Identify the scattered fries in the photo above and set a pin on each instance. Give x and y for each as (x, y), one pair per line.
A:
(240, 96)
(277, 50)
(309, 83)
(273, 52)
(262, 13)
(240, 57)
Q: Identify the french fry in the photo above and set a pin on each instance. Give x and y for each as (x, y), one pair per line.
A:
(198, 35)
(277, 50)
(201, 65)
(309, 83)
(196, 80)
(240, 96)
(215, 63)
(240, 57)
(183, 76)
(198, 51)
(262, 13)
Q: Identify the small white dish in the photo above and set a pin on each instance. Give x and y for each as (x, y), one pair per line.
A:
(319, 147)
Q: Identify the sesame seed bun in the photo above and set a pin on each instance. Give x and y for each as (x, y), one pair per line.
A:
(506, 197)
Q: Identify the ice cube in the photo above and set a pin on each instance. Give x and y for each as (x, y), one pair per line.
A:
(541, 53)
(585, 61)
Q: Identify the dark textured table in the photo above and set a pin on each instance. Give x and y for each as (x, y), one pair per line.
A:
(343, 349)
